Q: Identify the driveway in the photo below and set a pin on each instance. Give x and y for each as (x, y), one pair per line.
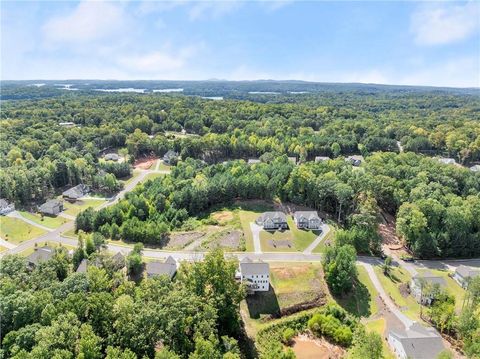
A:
(386, 298)
(17, 215)
(6, 244)
(325, 229)
(255, 228)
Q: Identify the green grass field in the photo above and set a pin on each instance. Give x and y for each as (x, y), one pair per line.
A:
(378, 326)
(361, 301)
(16, 231)
(50, 222)
(266, 237)
(408, 304)
(75, 208)
(163, 167)
(249, 212)
(328, 238)
(2, 249)
(131, 178)
(30, 250)
(152, 176)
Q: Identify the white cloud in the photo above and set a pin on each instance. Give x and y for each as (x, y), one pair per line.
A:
(445, 23)
(274, 5)
(212, 9)
(89, 21)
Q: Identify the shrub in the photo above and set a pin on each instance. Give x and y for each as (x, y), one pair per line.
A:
(288, 335)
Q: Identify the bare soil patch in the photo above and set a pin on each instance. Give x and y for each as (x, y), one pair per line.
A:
(223, 216)
(404, 290)
(144, 163)
(227, 239)
(307, 347)
(290, 272)
(281, 243)
(180, 240)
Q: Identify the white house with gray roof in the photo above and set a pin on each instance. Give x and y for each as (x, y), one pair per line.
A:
(464, 273)
(415, 342)
(447, 160)
(307, 219)
(321, 158)
(255, 274)
(272, 220)
(422, 286)
(475, 168)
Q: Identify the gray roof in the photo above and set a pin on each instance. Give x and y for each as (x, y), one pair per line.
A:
(82, 267)
(419, 342)
(41, 254)
(4, 203)
(249, 267)
(253, 160)
(475, 168)
(467, 272)
(169, 267)
(321, 158)
(430, 278)
(447, 161)
(49, 205)
(112, 156)
(307, 214)
(76, 192)
(272, 215)
(170, 154)
(118, 260)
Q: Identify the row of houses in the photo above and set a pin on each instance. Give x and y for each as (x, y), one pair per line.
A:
(278, 220)
(255, 274)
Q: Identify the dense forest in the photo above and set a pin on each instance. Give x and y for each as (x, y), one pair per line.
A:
(436, 204)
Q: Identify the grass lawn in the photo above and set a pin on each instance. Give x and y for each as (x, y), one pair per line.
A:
(378, 326)
(301, 238)
(266, 237)
(16, 231)
(75, 208)
(2, 249)
(30, 250)
(452, 287)
(163, 167)
(328, 238)
(408, 305)
(70, 233)
(47, 221)
(361, 302)
(248, 213)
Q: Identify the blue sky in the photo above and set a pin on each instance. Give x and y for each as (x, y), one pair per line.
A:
(413, 43)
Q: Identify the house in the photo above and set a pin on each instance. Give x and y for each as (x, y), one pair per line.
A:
(76, 192)
(169, 157)
(40, 255)
(82, 267)
(321, 158)
(6, 207)
(307, 219)
(252, 161)
(354, 160)
(116, 263)
(51, 207)
(293, 160)
(272, 220)
(67, 124)
(447, 161)
(256, 275)
(111, 157)
(422, 284)
(475, 168)
(415, 342)
(156, 268)
(463, 274)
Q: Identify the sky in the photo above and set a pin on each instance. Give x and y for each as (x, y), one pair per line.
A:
(390, 42)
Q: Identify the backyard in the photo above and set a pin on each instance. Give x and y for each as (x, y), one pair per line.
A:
(16, 231)
(47, 221)
(75, 208)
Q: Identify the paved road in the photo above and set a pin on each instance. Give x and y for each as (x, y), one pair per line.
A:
(15, 214)
(6, 244)
(255, 228)
(325, 229)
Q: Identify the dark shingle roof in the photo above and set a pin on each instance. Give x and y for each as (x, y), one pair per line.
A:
(272, 215)
(76, 192)
(169, 268)
(39, 255)
(430, 278)
(49, 205)
(307, 214)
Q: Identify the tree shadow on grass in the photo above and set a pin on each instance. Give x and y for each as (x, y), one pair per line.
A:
(357, 302)
(263, 303)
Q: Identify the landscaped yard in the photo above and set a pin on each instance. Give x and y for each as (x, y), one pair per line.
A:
(75, 208)
(327, 239)
(361, 302)
(15, 230)
(2, 249)
(399, 278)
(452, 287)
(163, 167)
(30, 250)
(47, 221)
(290, 240)
(249, 212)
(152, 176)
(378, 326)
(131, 178)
